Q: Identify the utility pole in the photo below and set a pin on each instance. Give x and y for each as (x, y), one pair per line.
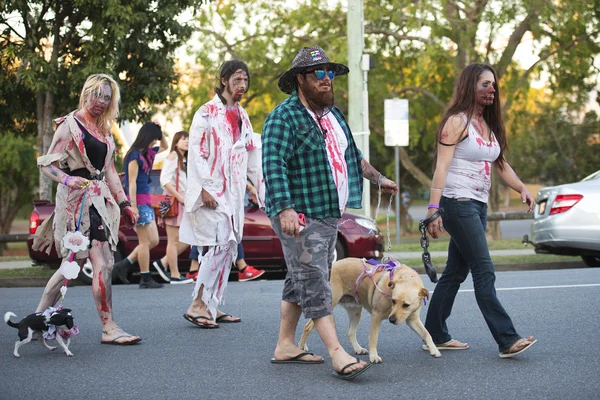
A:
(358, 112)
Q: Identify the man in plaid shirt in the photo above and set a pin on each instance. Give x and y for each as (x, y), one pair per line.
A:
(313, 171)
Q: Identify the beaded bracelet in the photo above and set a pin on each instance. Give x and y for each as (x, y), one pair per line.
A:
(433, 205)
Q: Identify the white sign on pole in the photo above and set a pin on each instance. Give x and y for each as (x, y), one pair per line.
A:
(396, 122)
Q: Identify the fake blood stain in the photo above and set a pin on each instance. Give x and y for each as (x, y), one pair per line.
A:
(102, 289)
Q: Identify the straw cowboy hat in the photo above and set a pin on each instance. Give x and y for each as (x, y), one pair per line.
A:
(308, 57)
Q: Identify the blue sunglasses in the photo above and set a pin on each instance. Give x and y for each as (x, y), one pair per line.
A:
(320, 74)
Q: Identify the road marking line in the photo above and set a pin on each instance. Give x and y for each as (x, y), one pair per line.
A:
(540, 287)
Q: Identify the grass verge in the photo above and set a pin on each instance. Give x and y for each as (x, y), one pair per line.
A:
(442, 245)
(440, 262)
(25, 272)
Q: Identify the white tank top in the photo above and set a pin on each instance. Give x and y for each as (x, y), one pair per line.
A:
(471, 168)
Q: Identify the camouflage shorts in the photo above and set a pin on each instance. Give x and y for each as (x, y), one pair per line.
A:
(308, 258)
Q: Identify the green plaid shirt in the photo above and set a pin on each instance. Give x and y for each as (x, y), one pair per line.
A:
(295, 164)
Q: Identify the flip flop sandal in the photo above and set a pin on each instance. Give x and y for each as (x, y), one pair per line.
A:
(509, 354)
(221, 319)
(298, 360)
(449, 345)
(115, 341)
(199, 324)
(353, 374)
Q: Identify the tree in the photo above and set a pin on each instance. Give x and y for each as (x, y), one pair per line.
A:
(18, 176)
(439, 38)
(420, 48)
(50, 47)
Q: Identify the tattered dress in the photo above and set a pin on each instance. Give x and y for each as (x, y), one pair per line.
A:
(68, 208)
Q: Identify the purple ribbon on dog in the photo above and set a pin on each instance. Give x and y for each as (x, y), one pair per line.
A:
(377, 266)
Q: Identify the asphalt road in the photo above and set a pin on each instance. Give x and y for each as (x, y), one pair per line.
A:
(178, 360)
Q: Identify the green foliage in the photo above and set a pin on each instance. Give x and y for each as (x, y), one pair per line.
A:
(266, 35)
(19, 176)
(419, 49)
(561, 149)
(51, 48)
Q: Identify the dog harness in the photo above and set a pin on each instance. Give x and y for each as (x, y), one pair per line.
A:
(53, 330)
(371, 267)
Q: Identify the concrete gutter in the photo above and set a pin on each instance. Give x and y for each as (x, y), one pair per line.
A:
(32, 281)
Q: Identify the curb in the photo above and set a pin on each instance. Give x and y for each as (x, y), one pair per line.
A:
(33, 281)
(521, 267)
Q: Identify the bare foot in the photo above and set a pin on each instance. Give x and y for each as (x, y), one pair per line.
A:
(119, 336)
(518, 347)
(341, 359)
(202, 312)
(224, 317)
(291, 351)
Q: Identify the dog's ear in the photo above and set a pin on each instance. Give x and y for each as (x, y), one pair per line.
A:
(66, 309)
(424, 293)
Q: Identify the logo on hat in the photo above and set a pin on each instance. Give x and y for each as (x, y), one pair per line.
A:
(316, 55)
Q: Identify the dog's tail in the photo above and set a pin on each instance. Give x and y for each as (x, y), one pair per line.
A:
(8, 321)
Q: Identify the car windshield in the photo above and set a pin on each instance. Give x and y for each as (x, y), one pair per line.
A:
(592, 177)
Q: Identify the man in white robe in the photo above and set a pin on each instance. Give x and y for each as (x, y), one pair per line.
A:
(223, 154)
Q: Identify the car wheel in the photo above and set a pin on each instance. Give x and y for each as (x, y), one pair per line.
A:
(340, 250)
(86, 274)
(591, 261)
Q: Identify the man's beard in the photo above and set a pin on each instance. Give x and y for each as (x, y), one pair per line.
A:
(319, 100)
(235, 97)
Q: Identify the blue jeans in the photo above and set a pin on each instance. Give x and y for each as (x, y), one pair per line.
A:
(146, 214)
(466, 221)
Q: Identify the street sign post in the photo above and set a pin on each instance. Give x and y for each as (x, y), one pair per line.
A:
(396, 134)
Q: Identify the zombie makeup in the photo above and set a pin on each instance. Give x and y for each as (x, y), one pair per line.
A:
(486, 89)
(237, 85)
(99, 101)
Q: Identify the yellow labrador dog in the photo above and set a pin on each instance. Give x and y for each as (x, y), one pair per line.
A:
(386, 292)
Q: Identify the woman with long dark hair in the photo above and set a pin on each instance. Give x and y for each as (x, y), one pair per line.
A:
(89, 199)
(138, 166)
(471, 139)
(173, 178)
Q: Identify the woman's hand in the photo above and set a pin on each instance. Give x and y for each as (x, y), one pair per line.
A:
(528, 199)
(77, 182)
(180, 199)
(130, 215)
(436, 226)
(208, 200)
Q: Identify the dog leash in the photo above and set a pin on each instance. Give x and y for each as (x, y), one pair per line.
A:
(426, 257)
(63, 289)
(387, 220)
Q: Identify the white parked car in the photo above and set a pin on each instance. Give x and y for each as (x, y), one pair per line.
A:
(567, 220)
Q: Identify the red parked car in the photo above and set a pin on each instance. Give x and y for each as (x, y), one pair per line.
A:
(357, 237)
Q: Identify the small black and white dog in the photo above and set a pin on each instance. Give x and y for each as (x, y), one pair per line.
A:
(57, 322)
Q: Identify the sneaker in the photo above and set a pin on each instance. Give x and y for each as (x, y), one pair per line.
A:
(180, 280)
(158, 266)
(250, 273)
(148, 282)
(192, 275)
(121, 270)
